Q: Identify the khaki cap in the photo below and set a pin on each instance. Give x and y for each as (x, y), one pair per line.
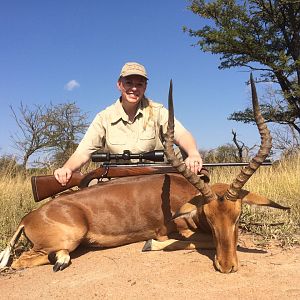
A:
(133, 68)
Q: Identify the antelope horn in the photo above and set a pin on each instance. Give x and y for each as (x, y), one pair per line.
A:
(176, 162)
(264, 150)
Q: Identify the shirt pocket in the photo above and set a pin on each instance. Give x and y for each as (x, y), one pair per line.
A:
(148, 134)
(116, 134)
(147, 139)
(117, 139)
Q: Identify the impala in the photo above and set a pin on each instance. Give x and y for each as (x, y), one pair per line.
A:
(169, 211)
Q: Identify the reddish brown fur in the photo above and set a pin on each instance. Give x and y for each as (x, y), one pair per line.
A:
(110, 214)
(99, 216)
(140, 208)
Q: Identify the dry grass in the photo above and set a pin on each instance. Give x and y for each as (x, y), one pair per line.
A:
(280, 183)
(15, 201)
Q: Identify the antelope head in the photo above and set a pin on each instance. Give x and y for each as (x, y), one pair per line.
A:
(221, 205)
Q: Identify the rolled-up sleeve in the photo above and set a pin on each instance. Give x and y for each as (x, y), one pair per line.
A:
(94, 138)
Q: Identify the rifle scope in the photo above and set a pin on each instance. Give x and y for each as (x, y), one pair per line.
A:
(155, 155)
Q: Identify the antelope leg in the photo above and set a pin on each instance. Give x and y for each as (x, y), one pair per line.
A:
(206, 242)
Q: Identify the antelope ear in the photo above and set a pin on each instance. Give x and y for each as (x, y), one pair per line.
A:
(255, 199)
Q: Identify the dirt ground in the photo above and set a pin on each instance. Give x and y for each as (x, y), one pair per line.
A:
(127, 273)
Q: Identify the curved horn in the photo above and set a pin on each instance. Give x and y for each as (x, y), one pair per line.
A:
(177, 163)
(264, 150)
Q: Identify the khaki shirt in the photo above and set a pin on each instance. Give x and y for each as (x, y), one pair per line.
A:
(113, 132)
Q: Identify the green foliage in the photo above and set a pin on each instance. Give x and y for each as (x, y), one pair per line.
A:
(252, 31)
(262, 35)
(270, 113)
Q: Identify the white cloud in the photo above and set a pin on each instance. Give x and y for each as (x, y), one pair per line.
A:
(71, 85)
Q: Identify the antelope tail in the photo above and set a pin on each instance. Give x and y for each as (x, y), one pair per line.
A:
(6, 253)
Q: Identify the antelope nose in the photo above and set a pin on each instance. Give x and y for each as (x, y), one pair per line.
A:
(228, 270)
(233, 269)
(225, 267)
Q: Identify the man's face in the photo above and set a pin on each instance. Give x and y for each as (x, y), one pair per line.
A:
(132, 88)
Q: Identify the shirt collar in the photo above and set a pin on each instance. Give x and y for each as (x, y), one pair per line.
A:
(119, 112)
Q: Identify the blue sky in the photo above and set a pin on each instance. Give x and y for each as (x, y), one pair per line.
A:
(47, 44)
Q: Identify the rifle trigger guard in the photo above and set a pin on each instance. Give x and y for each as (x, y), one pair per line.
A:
(104, 174)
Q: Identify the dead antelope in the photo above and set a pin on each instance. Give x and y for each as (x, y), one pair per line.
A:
(171, 211)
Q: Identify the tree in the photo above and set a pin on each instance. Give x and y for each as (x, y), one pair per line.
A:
(47, 128)
(223, 153)
(236, 152)
(261, 35)
(241, 148)
(68, 123)
(33, 128)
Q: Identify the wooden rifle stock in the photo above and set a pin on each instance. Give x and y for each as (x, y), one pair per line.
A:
(47, 186)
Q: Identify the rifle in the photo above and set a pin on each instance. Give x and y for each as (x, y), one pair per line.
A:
(47, 186)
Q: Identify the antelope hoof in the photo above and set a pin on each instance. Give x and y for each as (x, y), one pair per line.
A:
(62, 260)
(60, 266)
(147, 246)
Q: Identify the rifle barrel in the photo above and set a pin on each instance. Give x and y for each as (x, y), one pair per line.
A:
(156, 165)
(234, 164)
